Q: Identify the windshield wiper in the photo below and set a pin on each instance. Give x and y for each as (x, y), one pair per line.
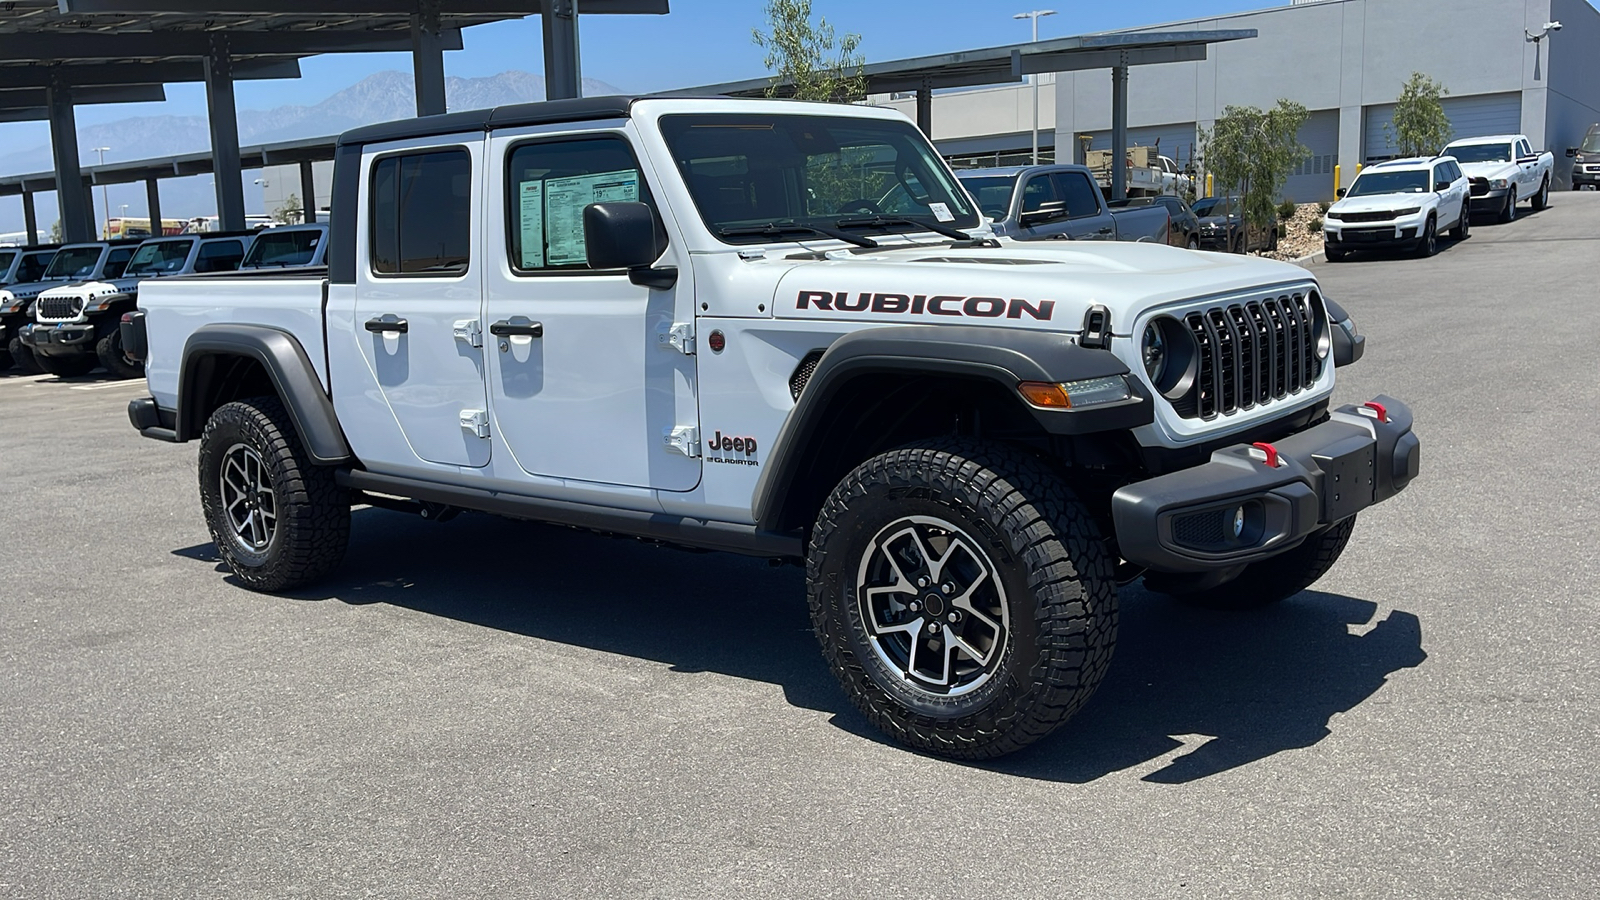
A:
(777, 228)
(878, 221)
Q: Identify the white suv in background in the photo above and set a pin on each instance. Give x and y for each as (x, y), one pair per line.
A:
(1400, 203)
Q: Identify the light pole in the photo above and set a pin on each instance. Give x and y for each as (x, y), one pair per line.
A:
(1035, 15)
(104, 203)
(1536, 39)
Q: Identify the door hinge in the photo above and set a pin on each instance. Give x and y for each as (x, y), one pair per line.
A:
(475, 421)
(677, 335)
(470, 331)
(684, 439)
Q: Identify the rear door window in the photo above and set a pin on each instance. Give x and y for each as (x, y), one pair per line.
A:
(1080, 192)
(421, 213)
(117, 261)
(219, 256)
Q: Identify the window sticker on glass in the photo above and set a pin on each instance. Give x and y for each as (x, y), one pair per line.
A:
(941, 212)
(564, 200)
(530, 205)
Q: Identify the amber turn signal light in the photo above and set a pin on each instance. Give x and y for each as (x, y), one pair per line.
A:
(1045, 395)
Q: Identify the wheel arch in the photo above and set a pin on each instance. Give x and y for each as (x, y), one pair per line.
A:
(880, 388)
(227, 362)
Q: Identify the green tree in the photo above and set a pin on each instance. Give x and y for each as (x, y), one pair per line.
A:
(290, 213)
(55, 232)
(1420, 127)
(1250, 153)
(809, 61)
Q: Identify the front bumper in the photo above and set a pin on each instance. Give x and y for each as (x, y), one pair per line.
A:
(1216, 240)
(1353, 237)
(59, 340)
(1585, 173)
(1493, 200)
(1238, 509)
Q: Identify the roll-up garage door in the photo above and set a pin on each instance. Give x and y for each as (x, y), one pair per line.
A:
(1177, 141)
(1313, 179)
(1469, 117)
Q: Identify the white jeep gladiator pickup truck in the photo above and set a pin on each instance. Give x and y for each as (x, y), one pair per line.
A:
(1503, 169)
(681, 320)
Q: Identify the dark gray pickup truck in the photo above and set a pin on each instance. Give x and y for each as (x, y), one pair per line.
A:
(1058, 202)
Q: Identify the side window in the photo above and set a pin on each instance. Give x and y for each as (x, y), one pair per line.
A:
(32, 266)
(1038, 192)
(1522, 148)
(117, 260)
(421, 213)
(1081, 194)
(549, 183)
(1441, 173)
(219, 256)
(1455, 172)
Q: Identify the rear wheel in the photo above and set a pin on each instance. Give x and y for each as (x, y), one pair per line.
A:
(1271, 580)
(962, 597)
(109, 351)
(1542, 199)
(278, 520)
(1509, 213)
(1464, 225)
(22, 357)
(66, 366)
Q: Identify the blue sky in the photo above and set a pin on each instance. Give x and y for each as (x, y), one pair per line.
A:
(700, 42)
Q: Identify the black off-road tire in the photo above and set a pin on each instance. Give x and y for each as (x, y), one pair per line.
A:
(22, 357)
(1463, 228)
(65, 366)
(109, 350)
(311, 511)
(1047, 555)
(1271, 580)
(1542, 199)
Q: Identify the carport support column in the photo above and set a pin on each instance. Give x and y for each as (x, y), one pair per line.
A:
(308, 191)
(563, 77)
(77, 217)
(30, 219)
(925, 107)
(224, 120)
(1119, 130)
(152, 202)
(427, 59)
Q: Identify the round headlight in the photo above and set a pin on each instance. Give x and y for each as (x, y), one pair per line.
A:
(1154, 352)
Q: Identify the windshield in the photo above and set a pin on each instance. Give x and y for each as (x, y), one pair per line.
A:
(74, 262)
(1214, 206)
(993, 193)
(1591, 142)
(1472, 153)
(1372, 183)
(803, 172)
(160, 258)
(283, 248)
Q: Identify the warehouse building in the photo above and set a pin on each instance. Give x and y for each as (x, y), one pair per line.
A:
(1345, 60)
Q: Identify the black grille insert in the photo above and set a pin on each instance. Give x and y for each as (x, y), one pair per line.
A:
(1251, 353)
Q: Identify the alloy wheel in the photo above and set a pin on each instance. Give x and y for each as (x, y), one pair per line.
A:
(248, 502)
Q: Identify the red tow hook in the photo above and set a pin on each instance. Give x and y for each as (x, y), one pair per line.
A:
(1375, 406)
(1269, 453)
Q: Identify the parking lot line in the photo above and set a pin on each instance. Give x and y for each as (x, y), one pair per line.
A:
(109, 384)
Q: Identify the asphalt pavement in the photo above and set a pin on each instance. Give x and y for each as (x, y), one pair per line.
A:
(484, 708)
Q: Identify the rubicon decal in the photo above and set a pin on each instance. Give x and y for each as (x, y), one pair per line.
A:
(923, 304)
(742, 450)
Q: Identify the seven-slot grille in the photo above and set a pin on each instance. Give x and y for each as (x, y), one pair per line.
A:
(60, 308)
(1251, 352)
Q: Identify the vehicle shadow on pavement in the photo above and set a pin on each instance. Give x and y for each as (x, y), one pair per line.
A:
(1241, 686)
(1258, 683)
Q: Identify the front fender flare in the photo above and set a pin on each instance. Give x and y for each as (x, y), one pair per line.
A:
(292, 375)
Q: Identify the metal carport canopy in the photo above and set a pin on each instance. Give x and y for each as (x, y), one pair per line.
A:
(1000, 65)
(125, 43)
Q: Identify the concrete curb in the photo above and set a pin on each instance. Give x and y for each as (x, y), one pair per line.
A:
(1310, 258)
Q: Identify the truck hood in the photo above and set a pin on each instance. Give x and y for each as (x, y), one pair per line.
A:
(1037, 285)
(1379, 203)
(89, 290)
(27, 290)
(1489, 170)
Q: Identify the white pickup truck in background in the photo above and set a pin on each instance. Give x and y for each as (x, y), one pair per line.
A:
(1503, 169)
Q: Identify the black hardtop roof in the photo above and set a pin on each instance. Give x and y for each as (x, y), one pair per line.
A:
(544, 112)
(31, 248)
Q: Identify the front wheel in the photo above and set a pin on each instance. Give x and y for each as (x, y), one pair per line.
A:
(1428, 244)
(23, 357)
(962, 597)
(1269, 581)
(1194, 243)
(1464, 224)
(1542, 199)
(278, 520)
(1333, 254)
(1510, 212)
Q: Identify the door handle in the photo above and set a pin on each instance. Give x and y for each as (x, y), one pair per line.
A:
(504, 328)
(387, 324)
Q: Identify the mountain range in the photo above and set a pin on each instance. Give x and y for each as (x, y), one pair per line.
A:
(382, 97)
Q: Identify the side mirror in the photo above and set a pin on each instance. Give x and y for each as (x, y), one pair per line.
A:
(1442, 186)
(1572, 151)
(626, 236)
(1339, 194)
(1047, 212)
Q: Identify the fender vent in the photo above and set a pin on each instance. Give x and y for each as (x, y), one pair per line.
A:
(803, 373)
